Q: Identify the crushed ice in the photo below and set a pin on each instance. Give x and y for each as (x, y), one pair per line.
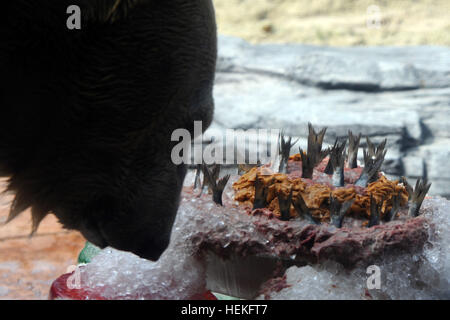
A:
(421, 276)
(178, 275)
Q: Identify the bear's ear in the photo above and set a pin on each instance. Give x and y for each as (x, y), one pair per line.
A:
(109, 11)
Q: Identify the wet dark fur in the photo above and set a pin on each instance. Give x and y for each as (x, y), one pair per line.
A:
(87, 115)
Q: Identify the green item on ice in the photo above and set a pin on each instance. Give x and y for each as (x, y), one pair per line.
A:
(89, 251)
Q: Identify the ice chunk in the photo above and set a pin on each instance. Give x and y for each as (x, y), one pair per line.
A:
(179, 273)
(425, 275)
(115, 274)
(201, 226)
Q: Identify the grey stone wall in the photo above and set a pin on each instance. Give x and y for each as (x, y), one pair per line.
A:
(399, 93)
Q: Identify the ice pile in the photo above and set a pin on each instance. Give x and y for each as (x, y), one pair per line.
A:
(177, 275)
(421, 276)
(181, 271)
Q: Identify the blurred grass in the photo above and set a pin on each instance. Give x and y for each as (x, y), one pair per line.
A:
(336, 22)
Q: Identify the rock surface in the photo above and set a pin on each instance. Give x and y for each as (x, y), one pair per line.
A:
(399, 93)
